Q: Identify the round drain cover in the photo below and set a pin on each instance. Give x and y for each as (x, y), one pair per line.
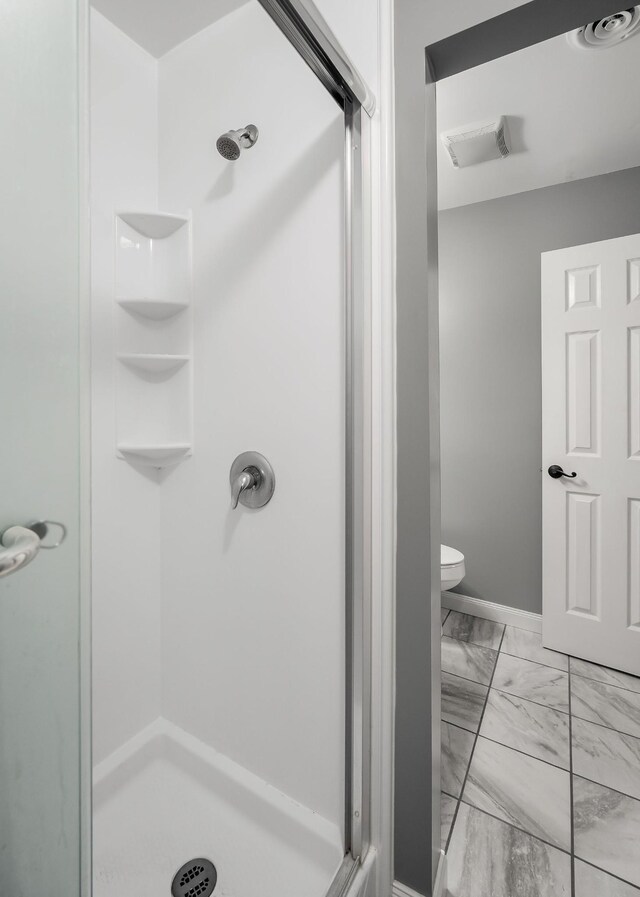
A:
(197, 878)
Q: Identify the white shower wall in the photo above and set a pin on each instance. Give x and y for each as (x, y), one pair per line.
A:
(228, 624)
(126, 505)
(254, 600)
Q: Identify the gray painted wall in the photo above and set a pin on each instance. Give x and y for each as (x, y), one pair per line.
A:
(491, 414)
(417, 733)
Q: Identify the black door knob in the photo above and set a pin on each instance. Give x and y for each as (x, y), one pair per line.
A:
(556, 472)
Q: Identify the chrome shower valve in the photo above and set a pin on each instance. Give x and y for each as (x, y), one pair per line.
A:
(252, 480)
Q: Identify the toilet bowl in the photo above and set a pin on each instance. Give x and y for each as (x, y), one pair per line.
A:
(451, 567)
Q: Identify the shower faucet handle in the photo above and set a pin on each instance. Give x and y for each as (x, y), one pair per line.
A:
(246, 480)
(252, 480)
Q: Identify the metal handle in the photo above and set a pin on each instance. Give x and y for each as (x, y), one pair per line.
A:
(246, 480)
(19, 546)
(556, 472)
(252, 480)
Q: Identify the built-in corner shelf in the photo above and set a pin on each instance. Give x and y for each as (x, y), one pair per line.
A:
(154, 338)
(155, 225)
(158, 456)
(154, 364)
(154, 309)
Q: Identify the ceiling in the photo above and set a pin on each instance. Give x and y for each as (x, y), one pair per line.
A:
(570, 114)
(446, 17)
(154, 25)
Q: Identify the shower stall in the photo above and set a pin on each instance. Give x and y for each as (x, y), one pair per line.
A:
(201, 724)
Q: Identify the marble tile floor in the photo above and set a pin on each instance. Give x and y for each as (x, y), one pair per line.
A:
(540, 768)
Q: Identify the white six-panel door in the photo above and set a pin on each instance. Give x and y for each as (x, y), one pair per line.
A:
(591, 425)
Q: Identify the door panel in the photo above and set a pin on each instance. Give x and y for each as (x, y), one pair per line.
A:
(583, 544)
(633, 596)
(583, 394)
(591, 425)
(39, 447)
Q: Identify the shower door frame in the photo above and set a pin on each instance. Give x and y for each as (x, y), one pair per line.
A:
(305, 28)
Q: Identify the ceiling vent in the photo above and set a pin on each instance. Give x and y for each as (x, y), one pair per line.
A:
(607, 32)
(474, 143)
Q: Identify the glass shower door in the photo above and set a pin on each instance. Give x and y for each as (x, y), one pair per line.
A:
(40, 610)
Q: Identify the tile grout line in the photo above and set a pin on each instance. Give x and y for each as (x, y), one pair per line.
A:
(571, 820)
(571, 714)
(543, 841)
(537, 703)
(508, 653)
(461, 641)
(464, 678)
(521, 698)
(600, 682)
(557, 709)
(541, 663)
(623, 881)
(592, 722)
(548, 666)
(467, 641)
(554, 710)
(540, 760)
(475, 741)
(517, 828)
(457, 725)
(532, 756)
(606, 787)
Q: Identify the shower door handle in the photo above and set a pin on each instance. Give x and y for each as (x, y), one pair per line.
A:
(18, 547)
(20, 544)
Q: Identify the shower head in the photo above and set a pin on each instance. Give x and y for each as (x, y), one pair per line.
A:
(231, 144)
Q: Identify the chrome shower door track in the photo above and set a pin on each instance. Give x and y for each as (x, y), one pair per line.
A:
(344, 877)
(303, 25)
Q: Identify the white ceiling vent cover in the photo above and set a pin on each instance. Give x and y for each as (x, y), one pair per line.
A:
(478, 142)
(607, 32)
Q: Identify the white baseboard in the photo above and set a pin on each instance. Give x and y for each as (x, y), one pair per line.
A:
(440, 886)
(499, 613)
(439, 889)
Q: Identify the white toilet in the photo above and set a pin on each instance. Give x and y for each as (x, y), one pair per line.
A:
(451, 567)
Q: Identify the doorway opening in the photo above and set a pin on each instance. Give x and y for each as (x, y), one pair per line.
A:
(539, 241)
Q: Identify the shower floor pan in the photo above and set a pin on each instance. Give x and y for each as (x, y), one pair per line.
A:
(166, 797)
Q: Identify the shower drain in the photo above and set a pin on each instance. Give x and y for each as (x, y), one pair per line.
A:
(197, 878)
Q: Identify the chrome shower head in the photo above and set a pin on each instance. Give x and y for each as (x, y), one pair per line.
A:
(231, 144)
